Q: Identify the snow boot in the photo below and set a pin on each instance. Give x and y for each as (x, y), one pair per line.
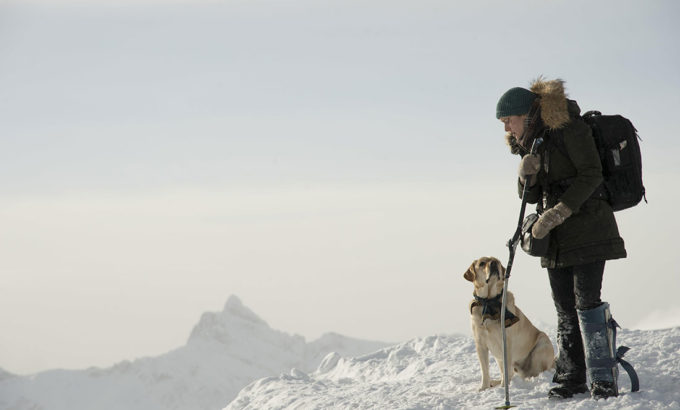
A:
(566, 390)
(599, 340)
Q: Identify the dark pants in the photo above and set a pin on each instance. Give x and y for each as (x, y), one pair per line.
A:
(573, 287)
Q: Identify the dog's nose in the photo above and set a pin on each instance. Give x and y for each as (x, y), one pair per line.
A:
(493, 266)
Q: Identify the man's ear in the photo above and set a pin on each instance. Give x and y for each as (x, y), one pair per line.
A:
(470, 273)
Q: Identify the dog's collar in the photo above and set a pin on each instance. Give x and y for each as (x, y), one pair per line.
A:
(491, 309)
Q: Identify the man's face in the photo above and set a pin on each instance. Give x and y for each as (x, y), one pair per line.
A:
(514, 124)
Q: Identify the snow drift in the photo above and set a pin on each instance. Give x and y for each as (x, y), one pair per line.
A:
(442, 372)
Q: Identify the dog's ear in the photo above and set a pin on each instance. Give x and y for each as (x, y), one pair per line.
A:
(470, 273)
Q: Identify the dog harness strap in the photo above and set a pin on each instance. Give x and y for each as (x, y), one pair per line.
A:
(491, 309)
(510, 318)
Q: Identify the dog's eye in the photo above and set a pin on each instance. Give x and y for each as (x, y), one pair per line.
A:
(481, 264)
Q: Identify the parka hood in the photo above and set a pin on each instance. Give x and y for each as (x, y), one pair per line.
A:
(555, 109)
(553, 102)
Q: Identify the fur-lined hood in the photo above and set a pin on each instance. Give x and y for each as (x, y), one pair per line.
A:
(553, 102)
(555, 109)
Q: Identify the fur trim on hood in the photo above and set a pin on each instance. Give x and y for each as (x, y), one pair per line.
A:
(554, 112)
(554, 109)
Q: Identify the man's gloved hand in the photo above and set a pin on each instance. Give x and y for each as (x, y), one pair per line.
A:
(528, 168)
(550, 219)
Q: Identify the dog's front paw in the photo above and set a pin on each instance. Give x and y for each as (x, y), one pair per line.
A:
(492, 383)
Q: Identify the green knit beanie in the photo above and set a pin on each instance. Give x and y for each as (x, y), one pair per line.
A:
(515, 101)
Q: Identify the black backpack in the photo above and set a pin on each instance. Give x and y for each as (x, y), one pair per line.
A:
(617, 143)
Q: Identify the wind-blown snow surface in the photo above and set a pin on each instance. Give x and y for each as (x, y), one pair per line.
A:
(442, 372)
(226, 351)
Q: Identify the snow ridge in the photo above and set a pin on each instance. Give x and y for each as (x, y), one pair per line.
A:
(442, 372)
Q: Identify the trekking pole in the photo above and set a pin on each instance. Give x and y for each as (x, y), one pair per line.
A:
(512, 246)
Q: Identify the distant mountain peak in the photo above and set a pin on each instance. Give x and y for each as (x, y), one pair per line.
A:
(231, 321)
(233, 300)
(234, 307)
(227, 350)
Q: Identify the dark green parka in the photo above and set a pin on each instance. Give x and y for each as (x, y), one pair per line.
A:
(570, 173)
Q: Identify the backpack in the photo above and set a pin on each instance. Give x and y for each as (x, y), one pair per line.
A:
(617, 143)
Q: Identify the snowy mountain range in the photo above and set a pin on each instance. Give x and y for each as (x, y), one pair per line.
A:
(235, 350)
(225, 351)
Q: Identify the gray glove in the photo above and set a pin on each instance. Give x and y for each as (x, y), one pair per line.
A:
(528, 168)
(550, 219)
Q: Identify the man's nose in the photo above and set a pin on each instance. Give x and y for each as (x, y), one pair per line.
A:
(507, 127)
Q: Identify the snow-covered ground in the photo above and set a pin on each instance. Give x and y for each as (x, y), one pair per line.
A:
(442, 372)
(226, 351)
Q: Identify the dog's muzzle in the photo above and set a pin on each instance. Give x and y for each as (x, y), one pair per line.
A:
(493, 271)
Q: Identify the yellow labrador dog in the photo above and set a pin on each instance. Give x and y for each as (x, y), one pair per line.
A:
(530, 351)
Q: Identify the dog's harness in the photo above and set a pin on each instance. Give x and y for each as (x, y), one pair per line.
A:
(491, 309)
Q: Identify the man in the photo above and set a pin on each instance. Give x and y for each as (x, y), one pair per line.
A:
(565, 180)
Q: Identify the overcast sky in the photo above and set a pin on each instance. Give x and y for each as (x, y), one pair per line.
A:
(335, 164)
